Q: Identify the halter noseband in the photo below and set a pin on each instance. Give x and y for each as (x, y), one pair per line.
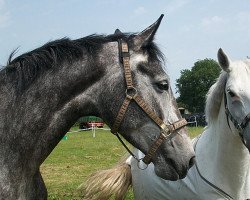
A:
(239, 126)
(131, 94)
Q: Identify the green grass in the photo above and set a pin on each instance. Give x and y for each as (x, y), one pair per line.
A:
(194, 131)
(74, 159)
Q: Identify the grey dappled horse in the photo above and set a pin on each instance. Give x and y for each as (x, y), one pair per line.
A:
(45, 91)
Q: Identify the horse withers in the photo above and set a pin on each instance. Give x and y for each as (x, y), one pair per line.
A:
(222, 169)
(118, 77)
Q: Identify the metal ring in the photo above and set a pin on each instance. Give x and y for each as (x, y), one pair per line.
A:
(131, 92)
(138, 164)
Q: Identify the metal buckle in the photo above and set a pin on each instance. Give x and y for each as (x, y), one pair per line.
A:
(167, 134)
(145, 165)
(165, 130)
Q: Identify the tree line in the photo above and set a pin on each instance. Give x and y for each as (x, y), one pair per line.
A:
(194, 84)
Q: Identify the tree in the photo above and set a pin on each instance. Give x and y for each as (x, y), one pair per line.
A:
(194, 84)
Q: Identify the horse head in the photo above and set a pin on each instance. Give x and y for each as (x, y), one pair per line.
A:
(173, 156)
(237, 96)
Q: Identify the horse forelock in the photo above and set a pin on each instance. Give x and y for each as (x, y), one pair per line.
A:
(28, 66)
(214, 98)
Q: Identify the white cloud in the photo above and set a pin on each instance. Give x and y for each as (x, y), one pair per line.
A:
(186, 28)
(174, 6)
(2, 4)
(140, 11)
(212, 22)
(4, 19)
(232, 23)
(4, 14)
(242, 16)
(242, 19)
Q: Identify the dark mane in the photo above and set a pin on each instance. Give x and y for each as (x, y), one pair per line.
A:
(26, 67)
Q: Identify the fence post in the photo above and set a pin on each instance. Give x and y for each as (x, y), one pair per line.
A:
(93, 130)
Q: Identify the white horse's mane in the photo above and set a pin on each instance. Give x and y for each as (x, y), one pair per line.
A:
(215, 96)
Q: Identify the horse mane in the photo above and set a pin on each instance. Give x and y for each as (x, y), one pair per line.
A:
(28, 66)
(247, 61)
(214, 98)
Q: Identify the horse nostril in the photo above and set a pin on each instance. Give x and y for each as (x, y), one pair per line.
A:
(192, 161)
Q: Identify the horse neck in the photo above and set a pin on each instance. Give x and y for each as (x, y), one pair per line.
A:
(222, 158)
(53, 103)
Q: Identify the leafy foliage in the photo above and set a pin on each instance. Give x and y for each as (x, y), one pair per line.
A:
(194, 84)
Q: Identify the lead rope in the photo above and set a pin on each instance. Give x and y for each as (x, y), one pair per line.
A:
(126, 147)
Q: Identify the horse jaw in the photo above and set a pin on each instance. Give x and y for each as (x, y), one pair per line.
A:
(179, 160)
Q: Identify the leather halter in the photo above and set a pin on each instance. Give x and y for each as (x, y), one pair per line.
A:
(131, 94)
(239, 126)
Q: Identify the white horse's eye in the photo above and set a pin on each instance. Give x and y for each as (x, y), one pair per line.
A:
(231, 94)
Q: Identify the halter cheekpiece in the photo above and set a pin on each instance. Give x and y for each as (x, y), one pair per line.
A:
(132, 95)
(239, 126)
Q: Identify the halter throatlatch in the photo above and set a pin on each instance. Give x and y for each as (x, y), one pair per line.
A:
(131, 94)
(239, 126)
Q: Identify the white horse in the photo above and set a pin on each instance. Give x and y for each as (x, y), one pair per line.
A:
(222, 169)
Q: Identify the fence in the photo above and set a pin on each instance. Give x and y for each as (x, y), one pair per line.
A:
(197, 119)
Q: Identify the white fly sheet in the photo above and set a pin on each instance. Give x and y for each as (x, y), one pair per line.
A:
(148, 186)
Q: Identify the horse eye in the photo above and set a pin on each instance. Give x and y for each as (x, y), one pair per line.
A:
(163, 85)
(231, 94)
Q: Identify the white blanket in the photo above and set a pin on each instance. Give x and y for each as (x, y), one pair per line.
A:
(148, 186)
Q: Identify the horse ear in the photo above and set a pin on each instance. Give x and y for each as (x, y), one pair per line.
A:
(223, 60)
(117, 32)
(146, 37)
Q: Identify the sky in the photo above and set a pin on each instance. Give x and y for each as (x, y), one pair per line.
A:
(191, 30)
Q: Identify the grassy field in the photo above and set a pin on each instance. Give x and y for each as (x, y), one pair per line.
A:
(78, 156)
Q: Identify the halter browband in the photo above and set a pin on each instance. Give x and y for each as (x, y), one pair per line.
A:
(131, 94)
